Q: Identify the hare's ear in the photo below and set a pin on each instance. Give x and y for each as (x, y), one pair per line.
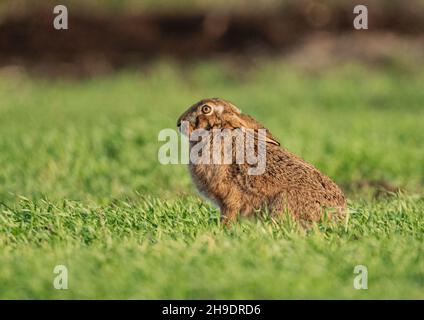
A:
(234, 108)
(268, 137)
(232, 121)
(220, 109)
(244, 122)
(251, 123)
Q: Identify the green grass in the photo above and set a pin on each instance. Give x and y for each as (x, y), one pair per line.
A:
(80, 185)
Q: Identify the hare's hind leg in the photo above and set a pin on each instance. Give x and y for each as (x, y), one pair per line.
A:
(278, 204)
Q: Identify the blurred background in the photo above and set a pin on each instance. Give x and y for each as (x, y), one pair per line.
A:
(80, 109)
(107, 35)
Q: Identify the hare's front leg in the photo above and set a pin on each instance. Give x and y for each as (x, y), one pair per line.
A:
(228, 215)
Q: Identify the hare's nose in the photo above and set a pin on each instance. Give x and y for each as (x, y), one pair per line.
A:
(178, 124)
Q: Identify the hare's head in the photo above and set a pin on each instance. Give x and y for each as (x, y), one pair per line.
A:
(209, 114)
(218, 113)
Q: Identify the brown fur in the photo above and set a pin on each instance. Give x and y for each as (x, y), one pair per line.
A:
(288, 184)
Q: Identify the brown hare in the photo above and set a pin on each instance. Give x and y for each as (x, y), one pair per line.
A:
(287, 184)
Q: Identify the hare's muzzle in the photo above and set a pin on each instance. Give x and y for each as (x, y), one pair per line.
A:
(184, 127)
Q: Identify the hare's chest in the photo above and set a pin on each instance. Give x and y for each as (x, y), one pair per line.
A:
(210, 180)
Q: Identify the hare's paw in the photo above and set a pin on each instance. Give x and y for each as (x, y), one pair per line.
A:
(228, 216)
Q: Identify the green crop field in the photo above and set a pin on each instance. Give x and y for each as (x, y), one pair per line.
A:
(81, 185)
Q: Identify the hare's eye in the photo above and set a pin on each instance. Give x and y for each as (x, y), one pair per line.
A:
(206, 109)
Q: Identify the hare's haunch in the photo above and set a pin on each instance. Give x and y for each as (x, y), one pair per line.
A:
(288, 183)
